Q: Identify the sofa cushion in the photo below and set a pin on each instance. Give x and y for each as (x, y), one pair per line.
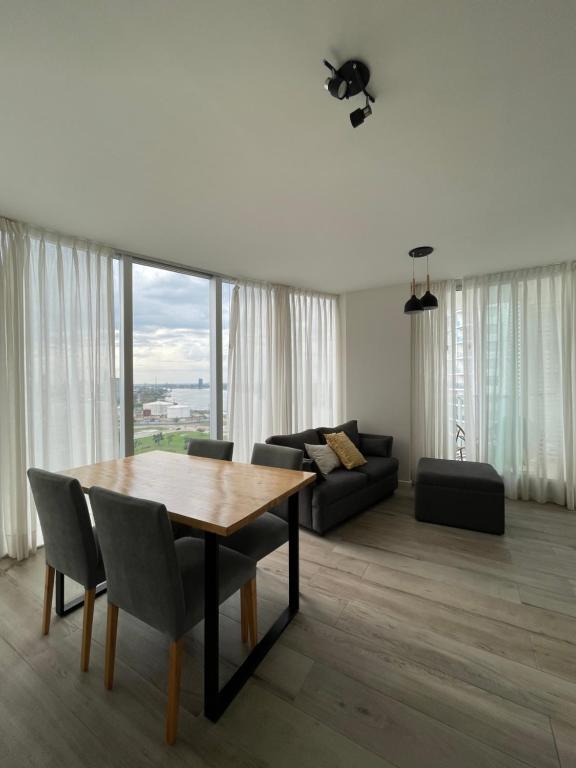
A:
(337, 485)
(324, 457)
(376, 446)
(350, 428)
(345, 449)
(296, 440)
(465, 475)
(377, 468)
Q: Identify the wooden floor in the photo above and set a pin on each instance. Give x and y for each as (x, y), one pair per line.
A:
(416, 646)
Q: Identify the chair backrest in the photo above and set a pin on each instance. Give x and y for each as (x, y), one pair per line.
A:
(69, 542)
(211, 449)
(140, 559)
(281, 457)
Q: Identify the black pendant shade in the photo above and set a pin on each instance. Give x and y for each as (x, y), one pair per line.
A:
(428, 301)
(413, 305)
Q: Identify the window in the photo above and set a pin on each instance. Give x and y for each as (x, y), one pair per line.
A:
(455, 372)
(171, 358)
(227, 289)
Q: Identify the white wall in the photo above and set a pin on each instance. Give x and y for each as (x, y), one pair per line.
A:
(377, 376)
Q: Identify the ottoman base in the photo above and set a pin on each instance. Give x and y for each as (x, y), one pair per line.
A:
(475, 509)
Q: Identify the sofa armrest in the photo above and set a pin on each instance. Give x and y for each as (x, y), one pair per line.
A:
(376, 445)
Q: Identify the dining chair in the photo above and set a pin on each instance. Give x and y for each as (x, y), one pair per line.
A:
(270, 530)
(211, 449)
(161, 581)
(206, 449)
(70, 545)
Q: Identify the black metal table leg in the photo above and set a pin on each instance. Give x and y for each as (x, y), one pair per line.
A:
(293, 553)
(216, 701)
(63, 608)
(211, 624)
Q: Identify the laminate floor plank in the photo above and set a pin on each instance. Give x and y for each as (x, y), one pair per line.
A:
(565, 736)
(445, 555)
(551, 601)
(533, 619)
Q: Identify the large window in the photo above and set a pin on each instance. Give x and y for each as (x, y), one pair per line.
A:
(168, 321)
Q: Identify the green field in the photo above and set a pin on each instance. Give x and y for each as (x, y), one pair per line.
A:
(177, 442)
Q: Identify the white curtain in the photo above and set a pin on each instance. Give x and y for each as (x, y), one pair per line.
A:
(284, 370)
(436, 377)
(520, 379)
(59, 378)
(17, 524)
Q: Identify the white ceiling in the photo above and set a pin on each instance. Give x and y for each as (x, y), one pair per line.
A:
(199, 132)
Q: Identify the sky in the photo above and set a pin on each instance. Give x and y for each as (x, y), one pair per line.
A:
(171, 326)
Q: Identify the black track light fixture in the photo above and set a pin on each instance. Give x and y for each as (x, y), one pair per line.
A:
(349, 80)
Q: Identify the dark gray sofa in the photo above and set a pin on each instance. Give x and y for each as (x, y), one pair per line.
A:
(344, 493)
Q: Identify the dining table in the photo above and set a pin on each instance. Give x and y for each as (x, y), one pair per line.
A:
(218, 498)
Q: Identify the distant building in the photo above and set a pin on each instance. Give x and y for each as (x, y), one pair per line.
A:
(200, 383)
(157, 408)
(178, 412)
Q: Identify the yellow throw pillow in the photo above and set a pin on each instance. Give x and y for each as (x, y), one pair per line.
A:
(345, 449)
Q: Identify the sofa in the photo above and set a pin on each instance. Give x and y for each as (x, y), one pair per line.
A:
(344, 492)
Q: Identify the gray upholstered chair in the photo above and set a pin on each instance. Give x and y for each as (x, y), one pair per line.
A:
(211, 449)
(206, 449)
(70, 544)
(161, 581)
(270, 530)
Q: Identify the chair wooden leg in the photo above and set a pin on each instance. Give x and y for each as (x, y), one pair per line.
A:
(174, 674)
(48, 592)
(89, 598)
(111, 632)
(249, 619)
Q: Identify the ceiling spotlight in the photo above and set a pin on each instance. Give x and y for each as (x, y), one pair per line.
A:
(335, 84)
(347, 81)
(359, 115)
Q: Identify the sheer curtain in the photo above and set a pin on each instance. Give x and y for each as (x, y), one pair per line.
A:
(17, 525)
(59, 377)
(436, 377)
(284, 367)
(315, 362)
(520, 379)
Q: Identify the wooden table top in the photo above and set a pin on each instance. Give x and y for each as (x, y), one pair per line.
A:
(216, 496)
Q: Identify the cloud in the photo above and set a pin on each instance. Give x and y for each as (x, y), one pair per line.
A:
(164, 299)
(171, 334)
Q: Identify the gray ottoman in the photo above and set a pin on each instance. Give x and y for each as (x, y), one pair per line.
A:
(464, 494)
